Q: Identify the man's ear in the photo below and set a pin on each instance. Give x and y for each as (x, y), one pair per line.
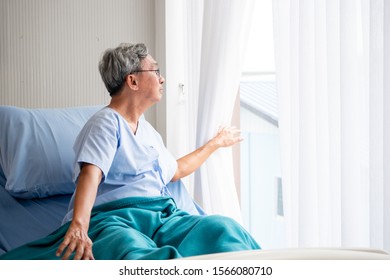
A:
(132, 82)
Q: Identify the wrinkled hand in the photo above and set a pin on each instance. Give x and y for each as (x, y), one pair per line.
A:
(227, 136)
(76, 240)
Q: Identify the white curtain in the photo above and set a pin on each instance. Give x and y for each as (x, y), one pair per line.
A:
(216, 35)
(333, 69)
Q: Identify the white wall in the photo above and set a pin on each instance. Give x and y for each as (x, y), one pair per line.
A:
(49, 50)
(171, 113)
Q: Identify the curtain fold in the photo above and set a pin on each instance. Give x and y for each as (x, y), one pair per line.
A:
(213, 85)
(331, 68)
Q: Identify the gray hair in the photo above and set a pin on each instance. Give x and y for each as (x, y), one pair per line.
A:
(119, 62)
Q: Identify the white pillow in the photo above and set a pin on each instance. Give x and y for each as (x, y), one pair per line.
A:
(36, 149)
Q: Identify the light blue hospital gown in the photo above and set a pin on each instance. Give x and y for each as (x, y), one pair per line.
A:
(132, 165)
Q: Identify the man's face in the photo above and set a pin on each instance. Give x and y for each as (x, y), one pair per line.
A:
(151, 82)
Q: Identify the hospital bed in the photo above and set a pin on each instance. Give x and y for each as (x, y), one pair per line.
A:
(36, 158)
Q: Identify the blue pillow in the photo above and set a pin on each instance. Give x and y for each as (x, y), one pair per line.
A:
(36, 149)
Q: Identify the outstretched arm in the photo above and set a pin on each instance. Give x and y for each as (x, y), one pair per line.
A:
(76, 238)
(226, 137)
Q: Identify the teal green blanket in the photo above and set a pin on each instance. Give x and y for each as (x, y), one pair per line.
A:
(146, 228)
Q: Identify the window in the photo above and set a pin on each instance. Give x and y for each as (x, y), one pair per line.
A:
(261, 184)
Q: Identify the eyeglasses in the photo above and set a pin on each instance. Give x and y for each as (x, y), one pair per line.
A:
(156, 71)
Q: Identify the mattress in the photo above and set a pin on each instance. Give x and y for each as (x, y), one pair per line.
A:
(25, 220)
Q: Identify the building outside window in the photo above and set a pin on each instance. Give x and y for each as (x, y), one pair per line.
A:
(261, 183)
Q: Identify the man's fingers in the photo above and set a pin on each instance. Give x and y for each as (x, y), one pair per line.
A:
(69, 251)
(79, 253)
(88, 255)
(62, 247)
